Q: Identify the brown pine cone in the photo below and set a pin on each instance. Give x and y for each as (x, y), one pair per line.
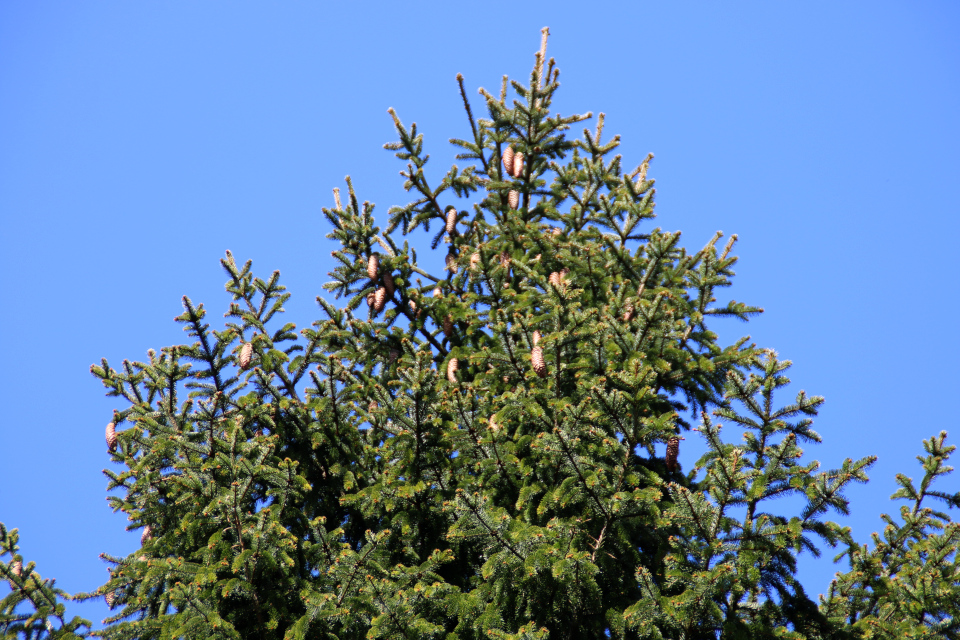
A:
(508, 159)
(505, 260)
(448, 326)
(628, 313)
(388, 284)
(539, 364)
(555, 279)
(513, 199)
(517, 165)
(17, 568)
(146, 535)
(246, 352)
(536, 338)
(373, 265)
(673, 450)
(437, 292)
(414, 310)
(111, 437)
(474, 260)
(451, 220)
(371, 298)
(109, 598)
(451, 262)
(493, 424)
(452, 367)
(379, 299)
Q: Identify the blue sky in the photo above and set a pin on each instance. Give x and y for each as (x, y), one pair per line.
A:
(139, 140)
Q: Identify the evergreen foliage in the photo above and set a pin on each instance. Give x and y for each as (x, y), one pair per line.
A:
(34, 607)
(908, 584)
(491, 451)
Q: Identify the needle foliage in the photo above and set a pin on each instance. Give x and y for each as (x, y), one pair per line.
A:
(475, 445)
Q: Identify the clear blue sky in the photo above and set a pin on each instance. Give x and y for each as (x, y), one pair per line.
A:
(139, 140)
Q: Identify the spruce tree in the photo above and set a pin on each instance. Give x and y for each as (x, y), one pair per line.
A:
(493, 450)
(908, 584)
(35, 607)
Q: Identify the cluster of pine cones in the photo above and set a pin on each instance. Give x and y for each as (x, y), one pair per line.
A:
(513, 166)
(378, 299)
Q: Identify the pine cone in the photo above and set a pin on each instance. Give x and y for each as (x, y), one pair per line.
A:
(628, 313)
(517, 165)
(505, 260)
(493, 424)
(513, 199)
(109, 598)
(372, 406)
(373, 265)
(562, 279)
(388, 284)
(555, 279)
(17, 568)
(394, 354)
(448, 326)
(451, 220)
(508, 160)
(146, 535)
(536, 357)
(246, 352)
(414, 310)
(556, 231)
(673, 450)
(452, 367)
(111, 437)
(474, 260)
(379, 299)
(451, 262)
(371, 298)
(437, 292)
(536, 338)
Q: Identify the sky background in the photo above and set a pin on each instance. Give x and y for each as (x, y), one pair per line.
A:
(140, 140)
